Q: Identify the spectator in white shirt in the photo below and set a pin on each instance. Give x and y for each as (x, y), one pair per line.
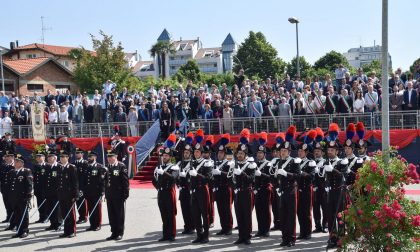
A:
(64, 115)
(359, 102)
(108, 86)
(53, 115)
(371, 99)
(340, 74)
(6, 123)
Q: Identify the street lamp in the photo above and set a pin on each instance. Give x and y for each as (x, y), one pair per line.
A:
(1, 69)
(294, 20)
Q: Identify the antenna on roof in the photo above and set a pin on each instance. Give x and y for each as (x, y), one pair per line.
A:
(43, 30)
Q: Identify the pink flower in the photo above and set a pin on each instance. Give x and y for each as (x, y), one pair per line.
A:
(411, 167)
(396, 205)
(390, 179)
(404, 160)
(373, 200)
(368, 188)
(381, 172)
(415, 221)
(377, 213)
(403, 215)
(388, 235)
(373, 166)
(339, 215)
(359, 211)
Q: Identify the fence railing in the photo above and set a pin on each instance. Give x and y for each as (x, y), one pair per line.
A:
(372, 121)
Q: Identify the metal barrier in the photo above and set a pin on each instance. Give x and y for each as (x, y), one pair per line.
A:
(372, 121)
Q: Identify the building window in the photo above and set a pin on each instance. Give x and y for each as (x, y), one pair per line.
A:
(31, 56)
(35, 87)
(172, 58)
(182, 47)
(65, 63)
(208, 54)
(173, 67)
(182, 57)
(215, 64)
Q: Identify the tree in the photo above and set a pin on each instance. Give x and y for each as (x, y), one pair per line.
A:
(415, 68)
(373, 66)
(304, 67)
(188, 71)
(331, 61)
(107, 63)
(161, 49)
(258, 57)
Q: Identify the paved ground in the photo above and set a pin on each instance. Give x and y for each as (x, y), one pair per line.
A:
(143, 228)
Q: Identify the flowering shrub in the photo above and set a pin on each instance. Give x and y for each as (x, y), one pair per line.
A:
(379, 217)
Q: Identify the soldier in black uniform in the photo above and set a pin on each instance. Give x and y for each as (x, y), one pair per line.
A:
(52, 206)
(164, 181)
(361, 145)
(207, 149)
(179, 146)
(354, 162)
(275, 198)
(320, 194)
(336, 170)
(200, 174)
(20, 193)
(68, 192)
(243, 178)
(66, 145)
(263, 190)
(6, 166)
(119, 147)
(81, 166)
(116, 193)
(307, 167)
(223, 191)
(287, 174)
(40, 180)
(94, 189)
(183, 183)
(7, 144)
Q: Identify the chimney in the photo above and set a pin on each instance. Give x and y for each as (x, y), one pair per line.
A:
(137, 56)
(12, 45)
(17, 43)
(180, 38)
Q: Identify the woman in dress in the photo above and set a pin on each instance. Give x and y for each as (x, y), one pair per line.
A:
(359, 102)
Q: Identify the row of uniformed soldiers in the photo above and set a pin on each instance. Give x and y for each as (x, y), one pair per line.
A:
(62, 188)
(314, 184)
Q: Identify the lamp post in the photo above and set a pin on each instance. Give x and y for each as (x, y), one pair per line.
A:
(1, 66)
(294, 20)
(384, 82)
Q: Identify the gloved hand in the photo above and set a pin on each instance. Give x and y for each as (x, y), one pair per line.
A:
(257, 173)
(216, 172)
(237, 171)
(282, 172)
(316, 170)
(160, 171)
(80, 193)
(193, 173)
(328, 168)
(182, 174)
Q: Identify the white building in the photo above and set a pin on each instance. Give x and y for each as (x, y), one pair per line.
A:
(211, 60)
(357, 57)
(132, 58)
(143, 69)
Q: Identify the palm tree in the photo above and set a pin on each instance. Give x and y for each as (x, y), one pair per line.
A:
(161, 49)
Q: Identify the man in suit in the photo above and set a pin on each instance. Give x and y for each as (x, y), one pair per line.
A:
(396, 100)
(345, 102)
(255, 107)
(410, 97)
(331, 101)
(48, 98)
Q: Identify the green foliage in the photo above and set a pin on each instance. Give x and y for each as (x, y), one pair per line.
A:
(373, 66)
(258, 57)
(188, 71)
(92, 70)
(218, 79)
(161, 49)
(415, 68)
(304, 66)
(331, 61)
(38, 148)
(382, 217)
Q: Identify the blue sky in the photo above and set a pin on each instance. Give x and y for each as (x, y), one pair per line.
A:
(325, 24)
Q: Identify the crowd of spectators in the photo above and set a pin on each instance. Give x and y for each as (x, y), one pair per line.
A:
(340, 94)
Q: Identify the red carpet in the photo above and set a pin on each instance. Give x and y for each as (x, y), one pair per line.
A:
(137, 184)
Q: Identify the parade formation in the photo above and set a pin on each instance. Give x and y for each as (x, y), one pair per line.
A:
(61, 187)
(312, 185)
